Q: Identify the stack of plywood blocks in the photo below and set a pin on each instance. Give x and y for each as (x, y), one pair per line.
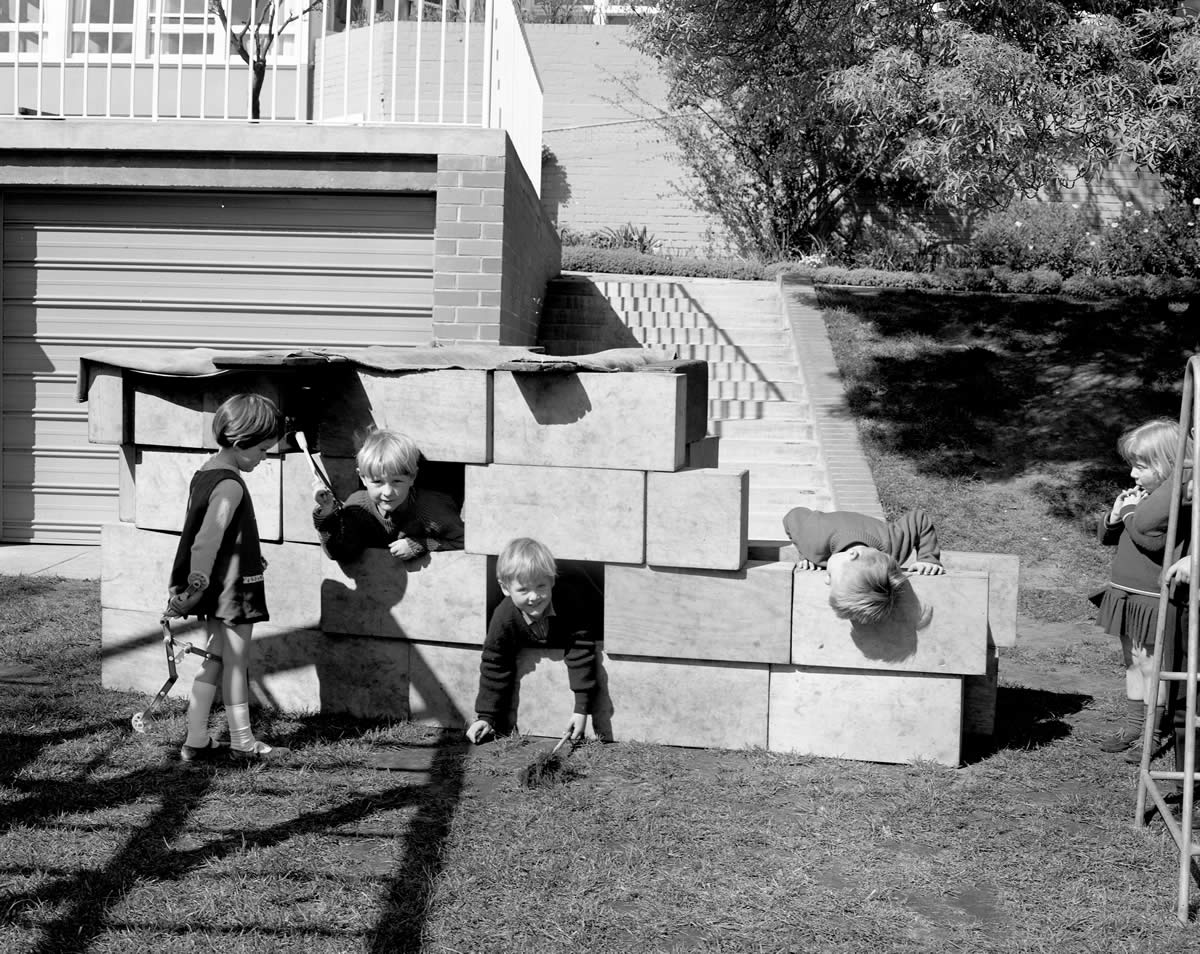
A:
(614, 472)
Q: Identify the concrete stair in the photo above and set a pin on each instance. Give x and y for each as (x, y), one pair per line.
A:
(757, 401)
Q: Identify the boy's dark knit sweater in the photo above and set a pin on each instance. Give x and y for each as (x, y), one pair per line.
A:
(819, 534)
(427, 517)
(572, 628)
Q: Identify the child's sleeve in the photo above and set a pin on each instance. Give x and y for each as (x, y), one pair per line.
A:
(497, 672)
(440, 521)
(918, 536)
(345, 531)
(222, 504)
(581, 671)
(1147, 522)
(800, 529)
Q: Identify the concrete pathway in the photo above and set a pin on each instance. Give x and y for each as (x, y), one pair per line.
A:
(48, 559)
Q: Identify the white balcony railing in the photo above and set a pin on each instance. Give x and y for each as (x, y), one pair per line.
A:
(458, 63)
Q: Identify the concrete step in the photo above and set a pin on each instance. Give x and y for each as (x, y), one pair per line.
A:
(713, 336)
(746, 452)
(800, 477)
(778, 391)
(754, 355)
(761, 429)
(748, 409)
(742, 371)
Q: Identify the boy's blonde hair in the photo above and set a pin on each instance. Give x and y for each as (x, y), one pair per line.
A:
(868, 590)
(385, 453)
(1152, 444)
(524, 560)
(245, 420)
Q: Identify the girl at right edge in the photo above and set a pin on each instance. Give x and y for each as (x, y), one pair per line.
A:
(1128, 606)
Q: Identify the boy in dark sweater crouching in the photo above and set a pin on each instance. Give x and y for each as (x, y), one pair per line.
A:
(530, 616)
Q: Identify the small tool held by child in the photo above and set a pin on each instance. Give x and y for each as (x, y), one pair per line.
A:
(546, 768)
(317, 469)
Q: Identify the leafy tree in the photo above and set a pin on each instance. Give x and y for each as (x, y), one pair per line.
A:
(264, 22)
(803, 120)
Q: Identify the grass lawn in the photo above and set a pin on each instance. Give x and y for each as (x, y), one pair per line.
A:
(109, 844)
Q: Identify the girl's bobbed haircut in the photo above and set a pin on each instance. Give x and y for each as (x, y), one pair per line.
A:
(1152, 444)
(525, 560)
(384, 453)
(245, 420)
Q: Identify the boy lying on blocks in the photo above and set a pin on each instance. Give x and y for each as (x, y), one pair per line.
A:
(862, 556)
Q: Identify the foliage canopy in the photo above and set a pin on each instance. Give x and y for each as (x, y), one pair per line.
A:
(805, 120)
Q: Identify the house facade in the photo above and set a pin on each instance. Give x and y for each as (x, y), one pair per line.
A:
(141, 208)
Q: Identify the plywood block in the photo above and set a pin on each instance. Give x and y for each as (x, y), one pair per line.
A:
(869, 716)
(448, 413)
(297, 670)
(443, 683)
(703, 453)
(297, 490)
(1004, 572)
(178, 411)
(702, 704)
(133, 658)
(954, 641)
(126, 494)
(732, 615)
(106, 406)
(440, 597)
(618, 420)
(162, 478)
(579, 513)
(307, 671)
(136, 566)
(695, 372)
(979, 698)
(698, 518)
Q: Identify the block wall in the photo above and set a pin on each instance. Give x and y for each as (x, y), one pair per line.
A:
(701, 645)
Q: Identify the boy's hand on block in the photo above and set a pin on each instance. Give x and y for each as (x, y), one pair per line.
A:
(803, 564)
(578, 725)
(927, 569)
(479, 730)
(405, 549)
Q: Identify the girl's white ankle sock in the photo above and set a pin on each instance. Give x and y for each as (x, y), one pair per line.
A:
(199, 707)
(241, 736)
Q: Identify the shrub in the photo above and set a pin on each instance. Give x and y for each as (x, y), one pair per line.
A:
(1037, 281)
(587, 258)
(1030, 235)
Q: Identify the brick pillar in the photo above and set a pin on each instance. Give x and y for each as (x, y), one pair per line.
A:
(468, 249)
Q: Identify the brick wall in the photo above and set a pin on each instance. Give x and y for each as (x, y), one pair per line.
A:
(494, 251)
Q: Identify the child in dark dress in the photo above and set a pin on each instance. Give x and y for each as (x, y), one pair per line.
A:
(1128, 607)
(218, 574)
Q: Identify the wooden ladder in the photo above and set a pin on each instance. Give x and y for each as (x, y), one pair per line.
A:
(1149, 780)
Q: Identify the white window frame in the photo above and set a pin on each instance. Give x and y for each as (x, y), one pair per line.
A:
(57, 29)
(46, 41)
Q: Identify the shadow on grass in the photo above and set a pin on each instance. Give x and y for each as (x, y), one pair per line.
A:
(85, 899)
(1027, 719)
(997, 387)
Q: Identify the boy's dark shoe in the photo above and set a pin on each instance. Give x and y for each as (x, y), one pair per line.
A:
(1133, 755)
(204, 753)
(1122, 739)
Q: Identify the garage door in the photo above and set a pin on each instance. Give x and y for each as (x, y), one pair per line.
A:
(80, 271)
